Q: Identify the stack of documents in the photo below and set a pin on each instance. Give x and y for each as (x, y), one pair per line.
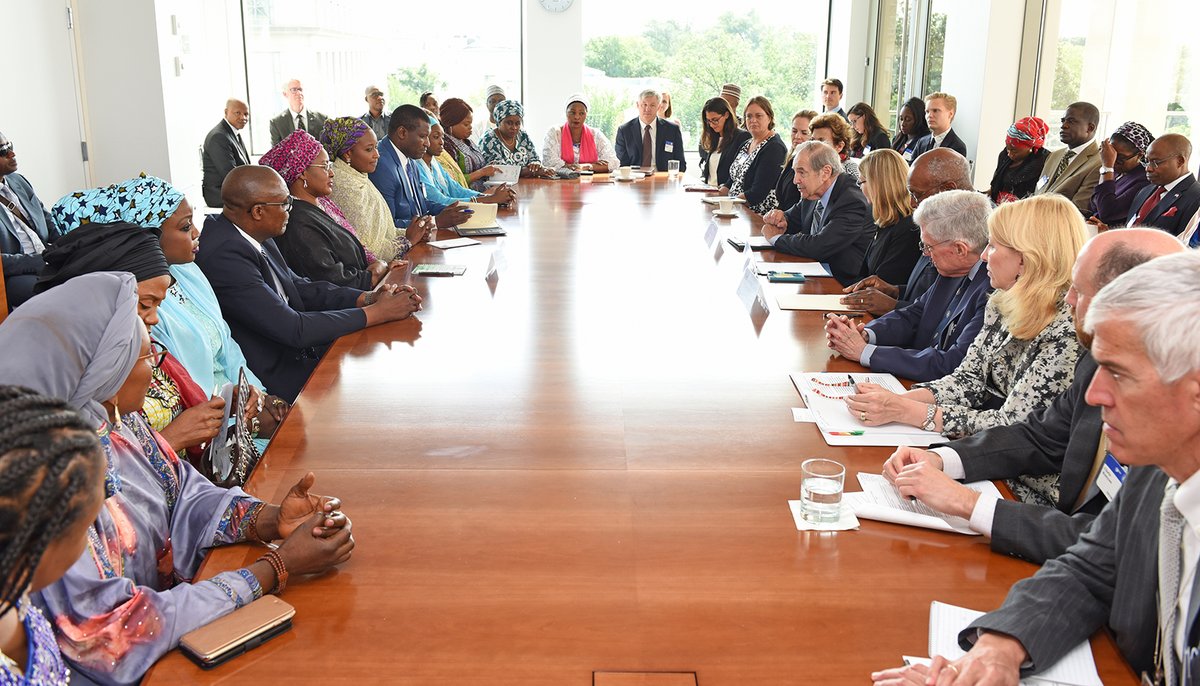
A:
(838, 426)
(881, 500)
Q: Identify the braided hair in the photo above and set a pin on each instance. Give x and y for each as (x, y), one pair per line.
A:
(49, 458)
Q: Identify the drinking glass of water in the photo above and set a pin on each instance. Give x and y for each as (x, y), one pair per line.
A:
(672, 168)
(821, 482)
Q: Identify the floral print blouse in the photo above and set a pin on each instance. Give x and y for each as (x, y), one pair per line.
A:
(496, 152)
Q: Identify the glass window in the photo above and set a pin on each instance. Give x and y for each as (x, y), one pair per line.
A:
(781, 56)
(337, 48)
(894, 59)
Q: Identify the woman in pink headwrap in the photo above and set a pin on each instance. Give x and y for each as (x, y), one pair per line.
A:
(1020, 161)
(319, 242)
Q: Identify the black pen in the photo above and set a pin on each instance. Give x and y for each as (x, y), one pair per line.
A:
(853, 384)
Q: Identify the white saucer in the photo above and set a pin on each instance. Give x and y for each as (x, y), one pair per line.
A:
(635, 177)
(719, 213)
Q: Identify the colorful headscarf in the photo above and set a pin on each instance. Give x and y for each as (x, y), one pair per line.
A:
(340, 134)
(292, 155)
(492, 90)
(1135, 133)
(454, 111)
(146, 201)
(507, 108)
(1029, 132)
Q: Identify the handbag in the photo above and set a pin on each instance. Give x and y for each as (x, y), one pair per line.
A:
(231, 457)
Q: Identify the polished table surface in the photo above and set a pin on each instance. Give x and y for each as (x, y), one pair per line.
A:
(582, 466)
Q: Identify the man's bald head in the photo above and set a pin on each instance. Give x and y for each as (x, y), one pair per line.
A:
(250, 184)
(1174, 144)
(1167, 158)
(237, 113)
(940, 169)
(1107, 256)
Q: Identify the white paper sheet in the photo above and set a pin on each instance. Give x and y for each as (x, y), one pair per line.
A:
(484, 216)
(808, 269)
(813, 301)
(881, 500)
(453, 243)
(838, 426)
(846, 519)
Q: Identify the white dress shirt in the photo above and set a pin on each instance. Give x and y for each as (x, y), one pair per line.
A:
(1187, 501)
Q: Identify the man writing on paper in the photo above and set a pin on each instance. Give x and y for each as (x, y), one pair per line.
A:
(1143, 546)
(1063, 438)
(832, 222)
(927, 339)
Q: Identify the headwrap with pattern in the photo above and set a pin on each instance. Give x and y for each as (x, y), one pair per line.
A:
(453, 111)
(1029, 132)
(1135, 133)
(340, 134)
(146, 201)
(292, 155)
(507, 108)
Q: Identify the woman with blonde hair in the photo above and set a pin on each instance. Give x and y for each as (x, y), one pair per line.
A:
(831, 129)
(896, 245)
(1025, 355)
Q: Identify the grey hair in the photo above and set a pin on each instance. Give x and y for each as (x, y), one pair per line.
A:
(650, 93)
(820, 154)
(1160, 299)
(953, 169)
(956, 215)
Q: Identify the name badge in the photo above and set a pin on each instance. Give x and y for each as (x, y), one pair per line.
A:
(908, 155)
(1043, 181)
(669, 146)
(1111, 476)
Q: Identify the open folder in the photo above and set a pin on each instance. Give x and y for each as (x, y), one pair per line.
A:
(824, 393)
(482, 222)
(881, 500)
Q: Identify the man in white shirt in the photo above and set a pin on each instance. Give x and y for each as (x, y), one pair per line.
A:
(296, 116)
(25, 228)
(940, 109)
(1144, 546)
(1074, 171)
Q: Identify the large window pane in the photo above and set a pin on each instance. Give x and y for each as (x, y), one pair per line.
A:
(339, 47)
(631, 45)
(894, 81)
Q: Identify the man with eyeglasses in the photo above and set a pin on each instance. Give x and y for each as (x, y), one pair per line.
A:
(296, 116)
(1073, 171)
(1173, 196)
(928, 339)
(283, 322)
(25, 228)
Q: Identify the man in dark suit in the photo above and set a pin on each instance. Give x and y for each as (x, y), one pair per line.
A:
(25, 228)
(1173, 196)
(831, 97)
(282, 321)
(941, 169)
(1147, 386)
(224, 149)
(940, 109)
(832, 222)
(928, 339)
(649, 141)
(295, 116)
(398, 180)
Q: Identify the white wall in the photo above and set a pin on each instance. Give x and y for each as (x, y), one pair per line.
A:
(552, 66)
(39, 111)
(849, 22)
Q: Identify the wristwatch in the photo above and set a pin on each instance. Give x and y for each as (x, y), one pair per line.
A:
(1107, 170)
(369, 298)
(930, 414)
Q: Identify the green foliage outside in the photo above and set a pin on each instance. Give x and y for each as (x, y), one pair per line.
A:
(745, 49)
(406, 84)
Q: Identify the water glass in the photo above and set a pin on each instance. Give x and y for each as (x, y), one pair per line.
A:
(672, 168)
(821, 482)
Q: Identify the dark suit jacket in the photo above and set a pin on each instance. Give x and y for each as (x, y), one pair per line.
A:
(1061, 438)
(1184, 198)
(222, 152)
(1111, 199)
(282, 341)
(738, 137)
(845, 231)
(1109, 576)
(629, 144)
(922, 277)
(759, 179)
(284, 123)
(952, 141)
(386, 178)
(318, 248)
(20, 270)
(910, 340)
(786, 193)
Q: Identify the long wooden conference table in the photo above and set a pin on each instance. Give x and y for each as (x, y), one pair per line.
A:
(577, 473)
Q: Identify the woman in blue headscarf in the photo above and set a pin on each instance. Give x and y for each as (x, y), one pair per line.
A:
(190, 323)
(509, 144)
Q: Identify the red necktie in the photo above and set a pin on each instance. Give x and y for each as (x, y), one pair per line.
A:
(1149, 205)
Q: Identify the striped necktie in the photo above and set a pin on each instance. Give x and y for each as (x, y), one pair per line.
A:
(1170, 543)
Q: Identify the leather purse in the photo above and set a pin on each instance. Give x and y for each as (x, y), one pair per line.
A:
(231, 457)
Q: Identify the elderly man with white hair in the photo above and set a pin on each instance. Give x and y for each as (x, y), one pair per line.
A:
(927, 339)
(649, 141)
(1134, 568)
(832, 223)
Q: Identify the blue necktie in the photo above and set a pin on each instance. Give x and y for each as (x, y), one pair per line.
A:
(944, 327)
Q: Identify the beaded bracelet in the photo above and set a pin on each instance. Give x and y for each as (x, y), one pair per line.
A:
(281, 574)
(252, 535)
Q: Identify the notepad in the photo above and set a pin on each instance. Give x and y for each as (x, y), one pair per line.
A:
(508, 173)
(483, 215)
(813, 301)
(1076, 668)
(453, 243)
(881, 500)
(439, 270)
(756, 243)
(838, 426)
(716, 199)
(808, 269)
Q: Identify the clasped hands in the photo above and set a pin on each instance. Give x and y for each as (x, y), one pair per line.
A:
(918, 473)
(316, 533)
(873, 295)
(846, 337)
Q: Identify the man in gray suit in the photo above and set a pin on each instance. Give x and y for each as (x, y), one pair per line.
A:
(1064, 438)
(25, 228)
(295, 116)
(1074, 171)
(224, 149)
(1147, 385)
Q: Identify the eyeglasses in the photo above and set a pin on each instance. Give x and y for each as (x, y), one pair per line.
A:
(6, 149)
(1122, 159)
(925, 248)
(328, 166)
(715, 121)
(1152, 163)
(156, 355)
(296, 90)
(286, 204)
